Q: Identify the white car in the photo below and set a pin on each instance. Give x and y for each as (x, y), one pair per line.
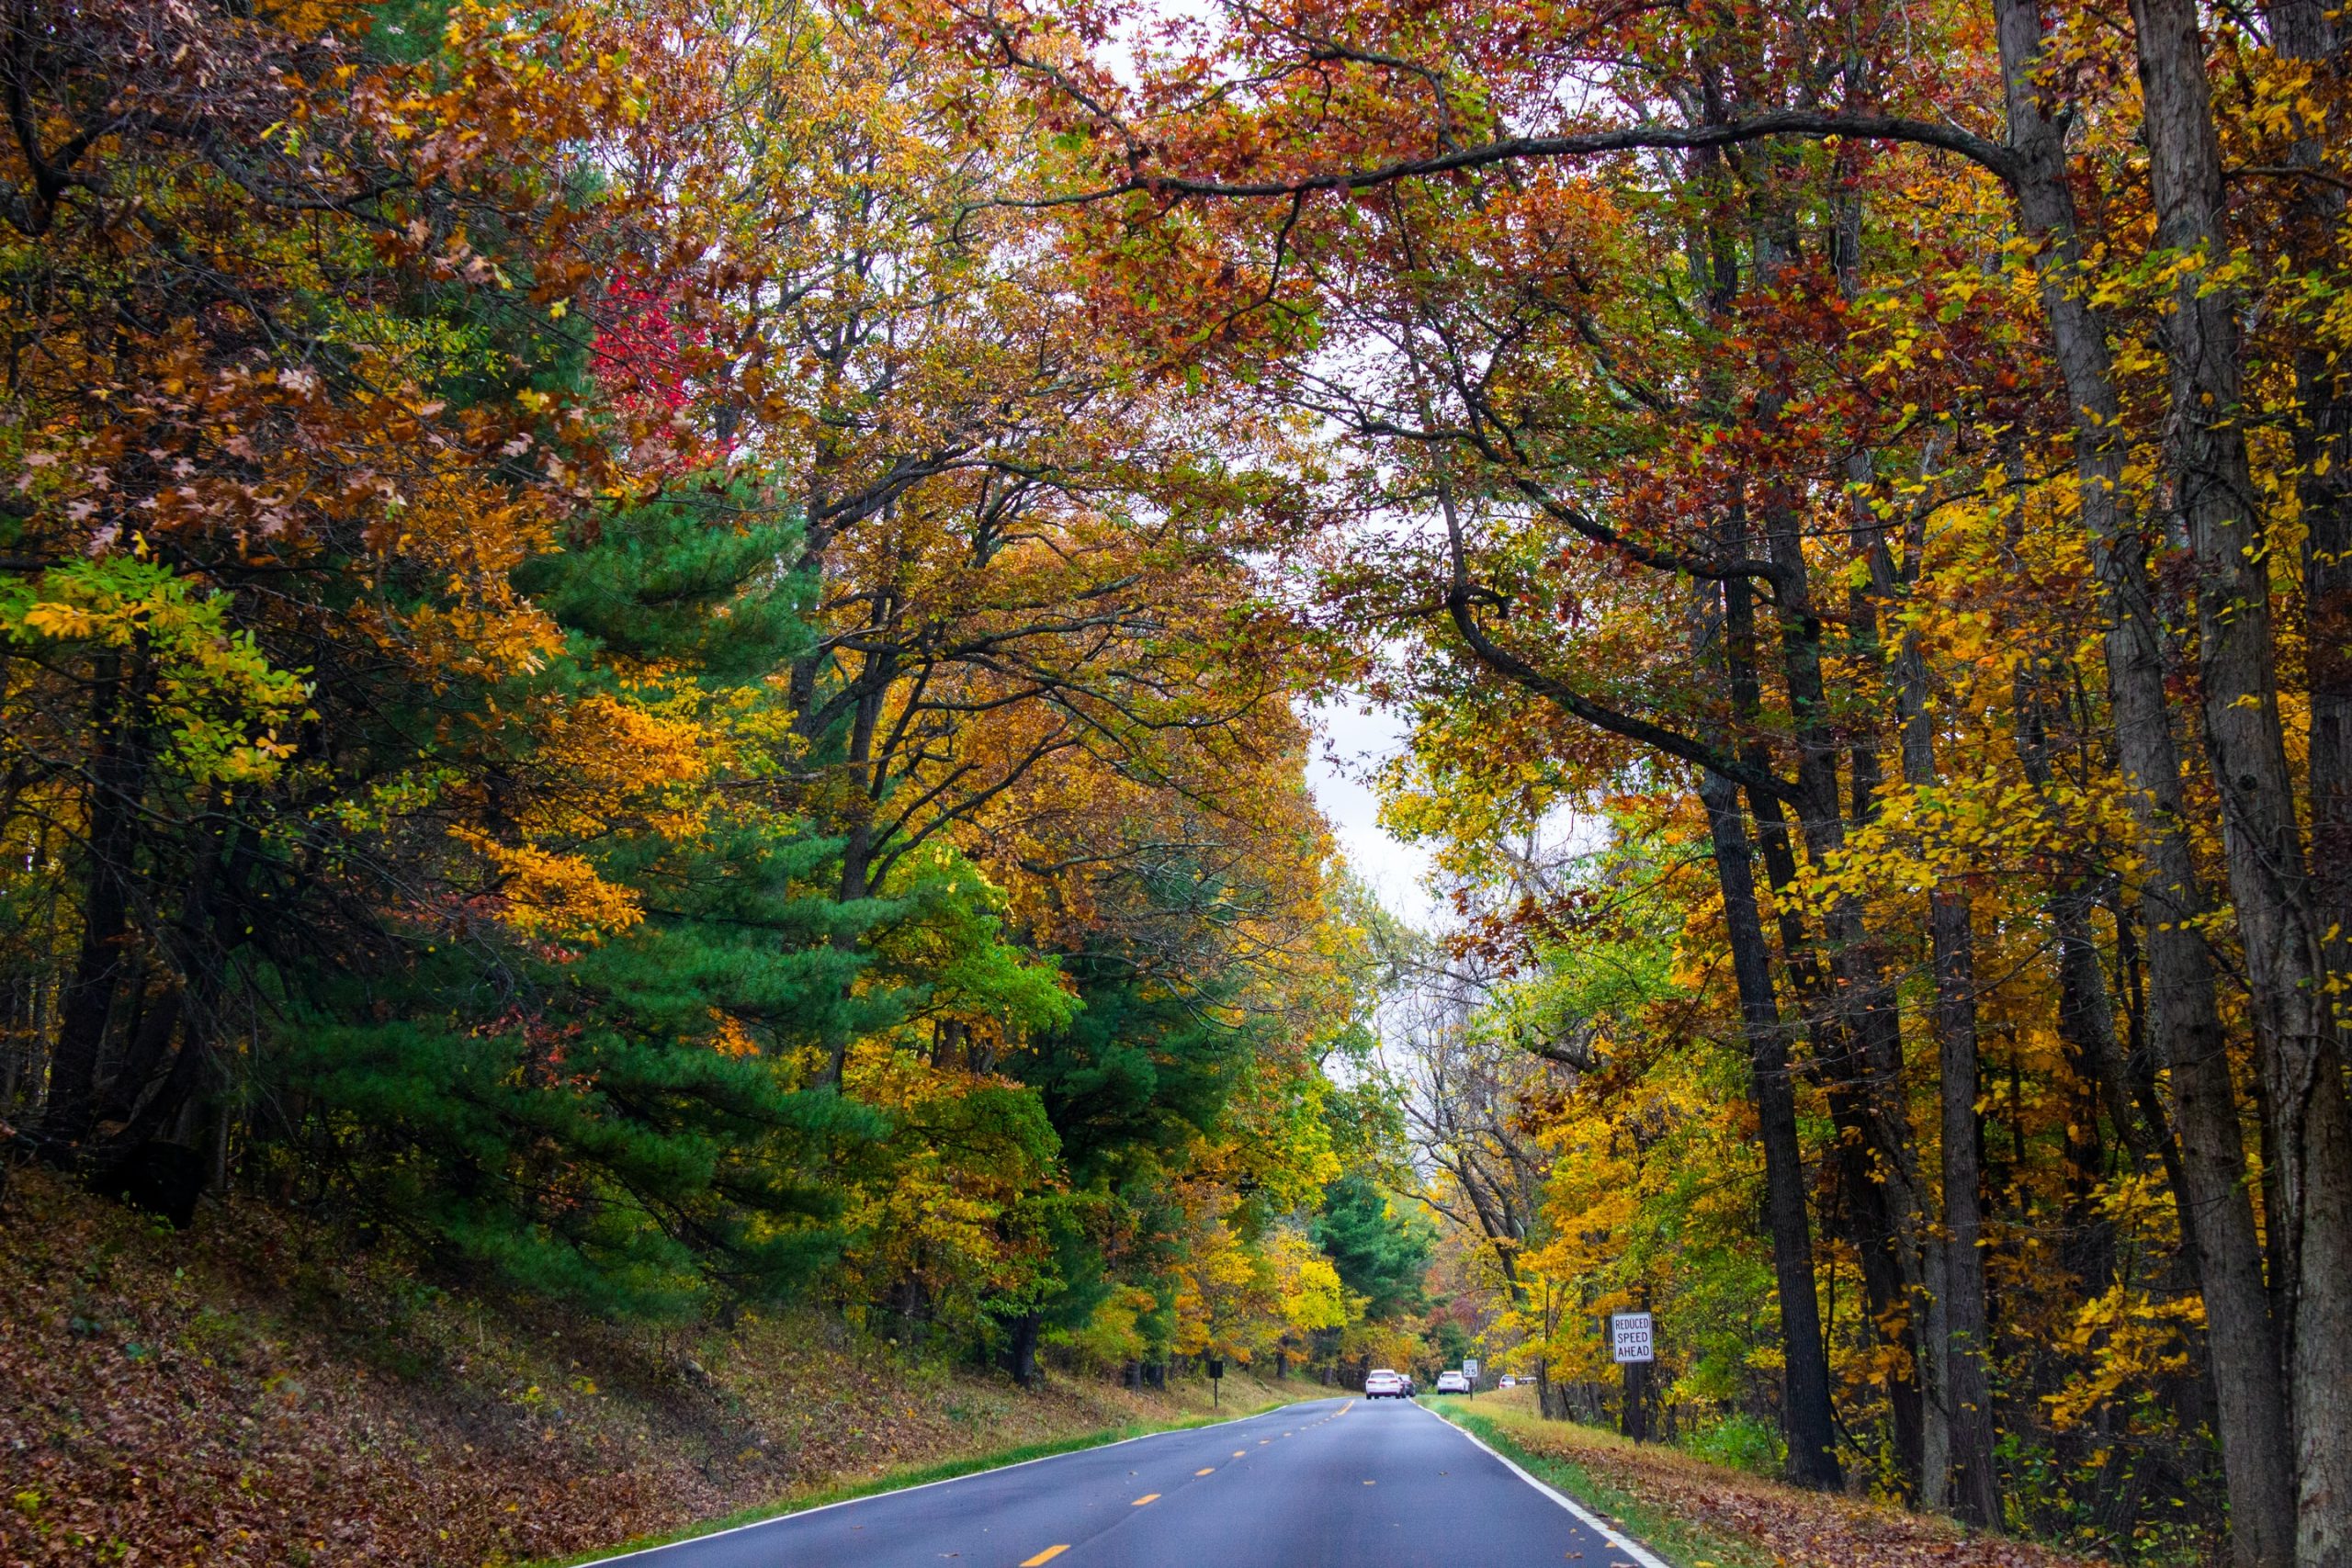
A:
(1452, 1382)
(1508, 1382)
(1382, 1383)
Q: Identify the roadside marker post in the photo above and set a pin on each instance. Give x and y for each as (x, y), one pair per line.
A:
(1633, 1342)
(1217, 1381)
(1470, 1373)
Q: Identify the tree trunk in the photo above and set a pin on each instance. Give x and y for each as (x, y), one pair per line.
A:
(1873, 1215)
(1021, 1347)
(2262, 839)
(1807, 1420)
(1965, 1384)
(1961, 1476)
(117, 779)
(2085, 1021)
(2304, 31)
(2183, 1019)
(144, 1054)
(857, 847)
(1862, 1048)
(1635, 1422)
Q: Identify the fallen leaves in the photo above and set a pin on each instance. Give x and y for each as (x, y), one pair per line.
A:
(1784, 1524)
(251, 1395)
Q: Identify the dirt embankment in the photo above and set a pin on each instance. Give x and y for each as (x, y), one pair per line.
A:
(254, 1393)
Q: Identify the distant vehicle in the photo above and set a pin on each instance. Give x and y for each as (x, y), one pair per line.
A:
(1408, 1384)
(1509, 1382)
(1452, 1382)
(1382, 1383)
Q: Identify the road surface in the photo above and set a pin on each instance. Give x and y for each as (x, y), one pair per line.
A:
(1336, 1483)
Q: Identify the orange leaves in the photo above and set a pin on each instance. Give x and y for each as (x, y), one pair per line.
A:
(545, 897)
(601, 760)
(730, 1038)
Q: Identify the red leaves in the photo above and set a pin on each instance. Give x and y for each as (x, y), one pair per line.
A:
(638, 356)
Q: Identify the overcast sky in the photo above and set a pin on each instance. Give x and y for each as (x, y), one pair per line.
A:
(1350, 745)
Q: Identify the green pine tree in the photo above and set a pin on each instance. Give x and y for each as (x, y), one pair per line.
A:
(1382, 1253)
(561, 1122)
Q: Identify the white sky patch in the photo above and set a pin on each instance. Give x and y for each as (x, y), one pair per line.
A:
(1350, 746)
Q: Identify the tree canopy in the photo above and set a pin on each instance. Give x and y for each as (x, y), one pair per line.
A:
(662, 654)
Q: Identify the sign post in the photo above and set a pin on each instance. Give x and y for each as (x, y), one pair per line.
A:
(1470, 1373)
(1217, 1381)
(1633, 1341)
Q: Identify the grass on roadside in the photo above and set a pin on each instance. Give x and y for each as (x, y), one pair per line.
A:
(1699, 1514)
(1678, 1540)
(922, 1475)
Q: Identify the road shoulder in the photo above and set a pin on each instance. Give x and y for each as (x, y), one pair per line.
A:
(1696, 1513)
(1519, 1459)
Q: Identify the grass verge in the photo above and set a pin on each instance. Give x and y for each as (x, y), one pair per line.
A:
(1678, 1540)
(922, 1475)
(1697, 1514)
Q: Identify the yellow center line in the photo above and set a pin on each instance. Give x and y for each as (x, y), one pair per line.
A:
(1045, 1557)
(1210, 1471)
(1239, 1452)
(1147, 1497)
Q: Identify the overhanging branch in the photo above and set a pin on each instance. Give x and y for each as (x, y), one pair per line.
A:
(1814, 124)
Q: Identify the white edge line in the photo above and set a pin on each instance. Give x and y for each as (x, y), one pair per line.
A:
(1600, 1526)
(644, 1551)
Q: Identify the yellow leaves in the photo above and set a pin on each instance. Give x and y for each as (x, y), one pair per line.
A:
(1234, 1292)
(311, 18)
(1311, 1295)
(547, 897)
(60, 621)
(2123, 1337)
(972, 1180)
(1114, 1331)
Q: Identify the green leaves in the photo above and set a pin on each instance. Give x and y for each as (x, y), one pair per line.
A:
(1381, 1251)
(215, 702)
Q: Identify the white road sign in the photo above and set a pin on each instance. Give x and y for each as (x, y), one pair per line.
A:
(1469, 1366)
(1631, 1333)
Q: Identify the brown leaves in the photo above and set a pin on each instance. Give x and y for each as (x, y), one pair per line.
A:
(254, 1393)
(1787, 1526)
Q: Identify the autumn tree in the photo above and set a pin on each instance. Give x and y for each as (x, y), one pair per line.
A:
(1670, 374)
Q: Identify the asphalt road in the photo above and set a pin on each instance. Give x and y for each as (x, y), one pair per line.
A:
(1346, 1484)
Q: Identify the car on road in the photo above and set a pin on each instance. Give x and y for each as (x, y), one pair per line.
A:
(1452, 1382)
(1508, 1382)
(1383, 1383)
